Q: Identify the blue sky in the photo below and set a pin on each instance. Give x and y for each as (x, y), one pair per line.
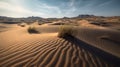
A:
(58, 8)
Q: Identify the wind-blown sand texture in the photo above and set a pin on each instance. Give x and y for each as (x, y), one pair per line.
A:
(105, 39)
(18, 48)
(6, 27)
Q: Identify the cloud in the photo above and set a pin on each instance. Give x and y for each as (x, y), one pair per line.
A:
(105, 3)
(16, 10)
(72, 3)
(55, 8)
(50, 8)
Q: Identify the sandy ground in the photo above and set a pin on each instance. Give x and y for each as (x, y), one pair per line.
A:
(18, 48)
(94, 37)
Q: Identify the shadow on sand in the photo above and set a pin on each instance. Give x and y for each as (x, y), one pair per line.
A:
(100, 53)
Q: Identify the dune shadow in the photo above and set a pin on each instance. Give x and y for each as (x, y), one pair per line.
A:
(98, 52)
(116, 41)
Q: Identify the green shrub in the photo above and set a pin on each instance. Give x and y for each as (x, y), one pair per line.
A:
(64, 31)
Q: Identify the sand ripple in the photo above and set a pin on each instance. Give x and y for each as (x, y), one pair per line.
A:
(45, 50)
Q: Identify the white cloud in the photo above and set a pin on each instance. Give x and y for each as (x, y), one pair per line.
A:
(72, 3)
(44, 7)
(15, 10)
(105, 3)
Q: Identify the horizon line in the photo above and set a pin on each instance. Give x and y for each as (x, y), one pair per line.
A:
(60, 17)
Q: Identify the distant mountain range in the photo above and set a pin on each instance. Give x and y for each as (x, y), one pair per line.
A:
(33, 18)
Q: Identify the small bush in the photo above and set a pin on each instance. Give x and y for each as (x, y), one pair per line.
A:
(39, 24)
(22, 24)
(65, 31)
(118, 29)
(32, 30)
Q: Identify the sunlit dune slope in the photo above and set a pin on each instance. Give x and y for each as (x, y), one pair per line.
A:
(19, 48)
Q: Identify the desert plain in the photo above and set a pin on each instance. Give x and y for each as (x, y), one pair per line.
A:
(65, 42)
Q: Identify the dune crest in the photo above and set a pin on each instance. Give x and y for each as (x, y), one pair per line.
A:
(44, 50)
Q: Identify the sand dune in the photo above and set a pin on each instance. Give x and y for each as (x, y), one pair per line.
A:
(18, 48)
(6, 27)
(94, 36)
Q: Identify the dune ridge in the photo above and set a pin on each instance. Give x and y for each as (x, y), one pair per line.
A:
(44, 50)
(93, 36)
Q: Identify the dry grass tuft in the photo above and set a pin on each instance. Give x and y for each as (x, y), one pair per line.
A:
(65, 30)
(32, 30)
(22, 24)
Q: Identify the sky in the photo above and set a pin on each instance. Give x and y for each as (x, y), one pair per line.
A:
(59, 8)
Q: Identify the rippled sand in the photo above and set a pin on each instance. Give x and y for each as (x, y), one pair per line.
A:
(18, 48)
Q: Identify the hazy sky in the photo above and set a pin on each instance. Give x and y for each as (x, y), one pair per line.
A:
(58, 8)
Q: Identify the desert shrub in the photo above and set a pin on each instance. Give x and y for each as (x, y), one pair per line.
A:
(32, 30)
(118, 29)
(64, 31)
(39, 23)
(22, 24)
